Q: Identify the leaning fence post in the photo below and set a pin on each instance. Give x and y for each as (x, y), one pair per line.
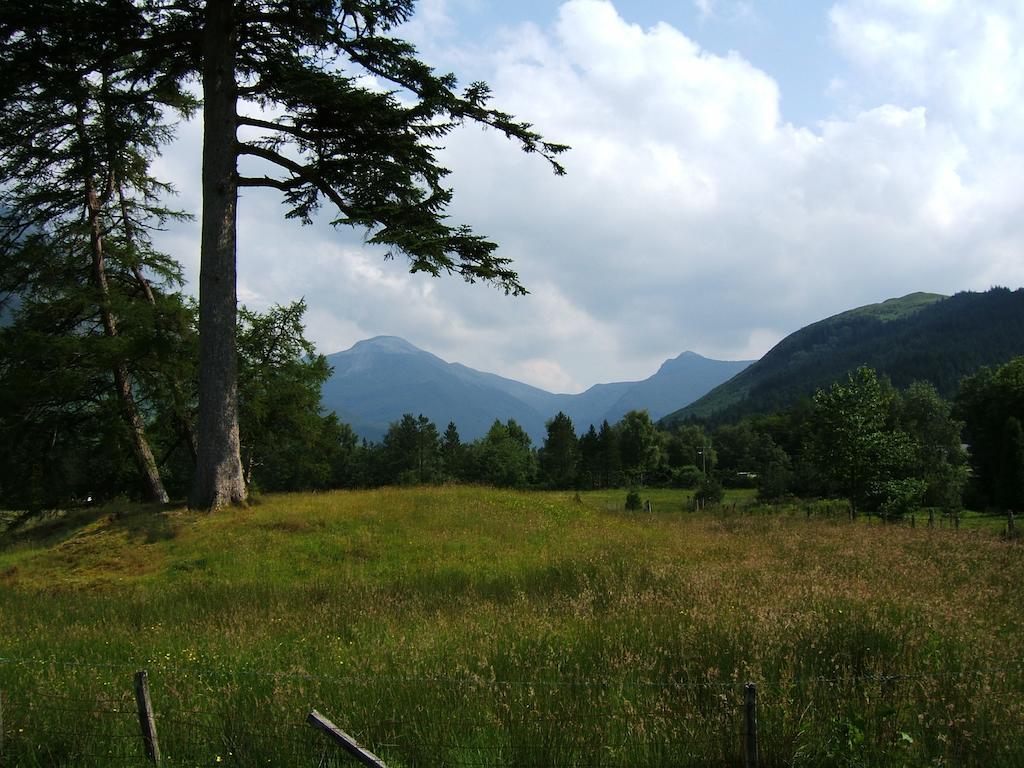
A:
(345, 741)
(750, 709)
(146, 720)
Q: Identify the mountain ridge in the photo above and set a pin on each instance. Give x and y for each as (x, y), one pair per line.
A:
(378, 379)
(920, 336)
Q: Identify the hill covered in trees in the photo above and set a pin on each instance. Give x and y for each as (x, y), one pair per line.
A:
(378, 380)
(920, 337)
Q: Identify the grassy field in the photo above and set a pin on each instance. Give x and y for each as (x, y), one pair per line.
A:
(471, 627)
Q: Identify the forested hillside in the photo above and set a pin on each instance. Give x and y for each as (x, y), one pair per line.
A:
(920, 337)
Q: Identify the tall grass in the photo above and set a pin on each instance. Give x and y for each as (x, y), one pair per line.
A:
(468, 626)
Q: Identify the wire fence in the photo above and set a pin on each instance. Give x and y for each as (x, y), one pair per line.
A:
(51, 717)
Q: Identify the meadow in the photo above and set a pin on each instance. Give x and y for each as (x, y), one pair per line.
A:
(464, 626)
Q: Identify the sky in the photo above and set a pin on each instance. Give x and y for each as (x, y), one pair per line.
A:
(738, 170)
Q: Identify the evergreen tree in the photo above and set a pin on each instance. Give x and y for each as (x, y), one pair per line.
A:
(611, 457)
(365, 150)
(287, 442)
(411, 451)
(78, 131)
(590, 459)
(452, 452)
(558, 457)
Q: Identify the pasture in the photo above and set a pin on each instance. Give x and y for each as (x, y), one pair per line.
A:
(465, 626)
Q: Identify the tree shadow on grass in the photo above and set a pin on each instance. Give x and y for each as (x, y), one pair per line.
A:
(144, 523)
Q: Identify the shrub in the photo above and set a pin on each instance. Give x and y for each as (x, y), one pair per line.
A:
(633, 501)
(709, 491)
(687, 477)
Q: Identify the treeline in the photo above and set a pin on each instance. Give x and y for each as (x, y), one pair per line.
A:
(79, 400)
(886, 451)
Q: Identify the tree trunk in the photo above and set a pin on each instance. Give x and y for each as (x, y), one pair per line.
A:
(153, 487)
(218, 480)
(180, 411)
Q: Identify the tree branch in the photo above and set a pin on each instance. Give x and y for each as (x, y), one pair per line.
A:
(298, 169)
(266, 181)
(254, 122)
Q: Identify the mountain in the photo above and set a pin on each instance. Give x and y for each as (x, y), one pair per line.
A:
(379, 379)
(922, 336)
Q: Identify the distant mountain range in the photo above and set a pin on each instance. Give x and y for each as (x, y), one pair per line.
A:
(378, 380)
(922, 336)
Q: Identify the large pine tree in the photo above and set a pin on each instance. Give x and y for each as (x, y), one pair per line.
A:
(77, 201)
(369, 153)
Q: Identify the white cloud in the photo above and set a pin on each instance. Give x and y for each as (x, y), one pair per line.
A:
(693, 216)
(964, 57)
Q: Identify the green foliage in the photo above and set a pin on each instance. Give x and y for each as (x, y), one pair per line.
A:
(98, 324)
(988, 403)
(854, 448)
(633, 502)
(690, 445)
(558, 457)
(1010, 485)
(639, 446)
(775, 471)
(687, 477)
(411, 451)
(940, 461)
(355, 120)
(63, 432)
(610, 456)
(709, 491)
(453, 453)
(503, 457)
(921, 337)
(589, 469)
(287, 443)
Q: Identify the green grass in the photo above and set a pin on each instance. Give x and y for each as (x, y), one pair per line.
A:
(469, 626)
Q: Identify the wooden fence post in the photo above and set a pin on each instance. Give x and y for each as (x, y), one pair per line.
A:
(931, 517)
(146, 721)
(1011, 525)
(750, 741)
(1, 727)
(345, 741)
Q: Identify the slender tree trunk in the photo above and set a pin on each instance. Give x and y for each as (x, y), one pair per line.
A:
(180, 411)
(218, 480)
(153, 486)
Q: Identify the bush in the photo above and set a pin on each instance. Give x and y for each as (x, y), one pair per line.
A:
(633, 501)
(709, 491)
(687, 477)
(774, 482)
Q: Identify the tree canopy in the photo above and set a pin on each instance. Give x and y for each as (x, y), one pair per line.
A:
(284, 83)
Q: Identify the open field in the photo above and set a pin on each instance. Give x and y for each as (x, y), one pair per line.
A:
(469, 626)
